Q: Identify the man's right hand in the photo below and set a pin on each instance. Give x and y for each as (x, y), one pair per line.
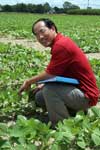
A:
(25, 86)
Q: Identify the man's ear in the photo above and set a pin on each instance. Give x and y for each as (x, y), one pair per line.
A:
(53, 28)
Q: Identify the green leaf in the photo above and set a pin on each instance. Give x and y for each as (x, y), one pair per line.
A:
(55, 147)
(96, 136)
(6, 145)
(25, 147)
(79, 116)
(81, 143)
(16, 132)
(69, 136)
(86, 123)
(96, 111)
(3, 129)
(31, 147)
(19, 147)
(96, 139)
(2, 142)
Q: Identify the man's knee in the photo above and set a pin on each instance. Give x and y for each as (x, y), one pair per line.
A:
(38, 96)
(39, 99)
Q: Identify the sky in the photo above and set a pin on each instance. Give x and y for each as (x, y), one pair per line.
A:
(58, 3)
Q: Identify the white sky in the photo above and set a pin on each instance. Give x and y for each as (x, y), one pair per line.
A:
(58, 3)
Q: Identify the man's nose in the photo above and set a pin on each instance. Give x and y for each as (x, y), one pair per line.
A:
(41, 36)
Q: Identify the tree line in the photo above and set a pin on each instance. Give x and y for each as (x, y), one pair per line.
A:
(39, 8)
(67, 8)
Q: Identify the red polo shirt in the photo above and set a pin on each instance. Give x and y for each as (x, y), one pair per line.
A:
(68, 60)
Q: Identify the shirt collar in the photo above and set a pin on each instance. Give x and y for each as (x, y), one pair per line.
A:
(57, 38)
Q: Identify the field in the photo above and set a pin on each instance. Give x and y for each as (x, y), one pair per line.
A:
(18, 128)
(85, 30)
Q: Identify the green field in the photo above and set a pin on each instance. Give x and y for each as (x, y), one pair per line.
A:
(18, 63)
(85, 30)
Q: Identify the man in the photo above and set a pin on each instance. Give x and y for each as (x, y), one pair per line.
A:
(67, 60)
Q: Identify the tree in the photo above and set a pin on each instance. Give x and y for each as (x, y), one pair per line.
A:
(58, 10)
(39, 9)
(47, 7)
(20, 7)
(0, 8)
(68, 5)
(7, 8)
(31, 8)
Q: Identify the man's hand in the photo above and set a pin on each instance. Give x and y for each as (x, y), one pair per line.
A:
(40, 86)
(42, 76)
(25, 86)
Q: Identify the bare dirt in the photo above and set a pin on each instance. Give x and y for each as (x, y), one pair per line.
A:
(29, 43)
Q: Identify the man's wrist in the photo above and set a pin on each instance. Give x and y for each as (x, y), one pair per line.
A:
(29, 82)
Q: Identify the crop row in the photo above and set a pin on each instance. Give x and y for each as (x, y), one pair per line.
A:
(85, 30)
(18, 132)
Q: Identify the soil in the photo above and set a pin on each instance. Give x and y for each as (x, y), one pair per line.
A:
(31, 43)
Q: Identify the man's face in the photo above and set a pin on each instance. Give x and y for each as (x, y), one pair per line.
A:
(44, 35)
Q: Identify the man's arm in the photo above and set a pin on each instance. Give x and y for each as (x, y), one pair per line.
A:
(27, 83)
